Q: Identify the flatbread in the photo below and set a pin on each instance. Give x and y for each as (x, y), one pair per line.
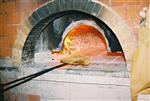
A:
(76, 60)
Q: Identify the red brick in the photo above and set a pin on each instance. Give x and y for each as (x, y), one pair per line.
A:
(13, 18)
(11, 7)
(2, 41)
(11, 30)
(129, 2)
(7, 42)
(34, 98)
(5, 52)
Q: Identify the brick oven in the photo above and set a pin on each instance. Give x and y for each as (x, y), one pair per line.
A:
(72, 32)
(60, 28)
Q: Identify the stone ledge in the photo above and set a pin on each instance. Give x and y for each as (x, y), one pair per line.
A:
(75, 91)
(63, 75)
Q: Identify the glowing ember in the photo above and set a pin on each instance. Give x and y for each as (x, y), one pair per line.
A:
(84, 36)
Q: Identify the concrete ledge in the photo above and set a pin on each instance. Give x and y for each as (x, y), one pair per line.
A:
(58, 85)
(85, 79)
(60, 91)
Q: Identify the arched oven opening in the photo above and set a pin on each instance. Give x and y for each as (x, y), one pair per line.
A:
(70, 32)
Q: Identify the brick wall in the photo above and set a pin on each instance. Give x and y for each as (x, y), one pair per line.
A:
(11, 96)
(13, 13)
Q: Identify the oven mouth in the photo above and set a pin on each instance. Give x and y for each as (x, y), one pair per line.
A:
(83, 27)
(52, 34)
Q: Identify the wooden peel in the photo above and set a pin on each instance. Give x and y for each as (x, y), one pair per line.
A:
(80, 57)
(76, 60)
